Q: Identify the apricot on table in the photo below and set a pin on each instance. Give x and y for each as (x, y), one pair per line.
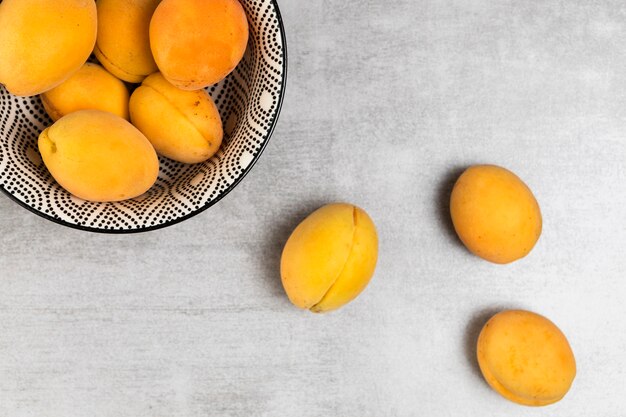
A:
(123, 44)
(495, 214)
(181, 125)
(526, 358)
(329, 258)
(91, 88)
(197, 43)
(44, 42)
(98, 156)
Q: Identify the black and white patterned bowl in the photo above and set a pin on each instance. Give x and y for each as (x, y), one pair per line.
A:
(249, 101)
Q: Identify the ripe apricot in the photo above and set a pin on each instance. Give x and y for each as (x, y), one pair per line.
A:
(182, 125)
(98, 156)
(197, 43)
(525, 358)
(91, 88)
(495, 214)
(329, 258)
(123, 45)
(44, 42)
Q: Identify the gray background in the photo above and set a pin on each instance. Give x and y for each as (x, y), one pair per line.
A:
(386, 101)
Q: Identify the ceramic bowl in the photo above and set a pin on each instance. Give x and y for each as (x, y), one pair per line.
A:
(249, 101)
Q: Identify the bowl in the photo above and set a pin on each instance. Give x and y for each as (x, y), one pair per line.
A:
(249, 101)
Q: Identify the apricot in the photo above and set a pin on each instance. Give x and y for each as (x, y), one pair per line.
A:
(525, 358)
(197, 43)
(123, 45)
(44, 42)
(329, 258)
(91, 88)
(98, 156)
(182, 125)
(495, 214)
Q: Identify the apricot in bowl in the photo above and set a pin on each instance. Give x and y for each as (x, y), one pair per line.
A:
(98, 156)
(90, 88)
(181, 125)
(197, 43)
(44, 42)
(123, 43)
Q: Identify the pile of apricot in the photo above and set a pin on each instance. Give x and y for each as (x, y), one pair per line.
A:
(104, 143)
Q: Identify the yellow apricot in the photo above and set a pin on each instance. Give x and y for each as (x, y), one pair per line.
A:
(91, 88)
(495, 214)
(525, 358)
(181, 125)
(123, 45)
(197, 43)
(44, 42)
(329, 258)
(98, 156)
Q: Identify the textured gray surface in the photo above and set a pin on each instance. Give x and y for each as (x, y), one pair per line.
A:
(386, 100)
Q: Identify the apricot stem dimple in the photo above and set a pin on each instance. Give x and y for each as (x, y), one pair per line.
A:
(46, 140)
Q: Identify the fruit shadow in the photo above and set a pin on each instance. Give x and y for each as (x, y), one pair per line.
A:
(276, 237)
(444, 189)
(472, 331)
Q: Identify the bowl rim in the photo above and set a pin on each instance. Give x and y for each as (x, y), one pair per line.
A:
(211, 203)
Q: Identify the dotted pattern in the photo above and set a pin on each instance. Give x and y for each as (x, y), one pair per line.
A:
(248, 101)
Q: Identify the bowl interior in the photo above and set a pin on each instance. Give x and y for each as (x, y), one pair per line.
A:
(249, 101)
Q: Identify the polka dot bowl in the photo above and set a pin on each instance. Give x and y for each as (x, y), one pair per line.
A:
(249, 101)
